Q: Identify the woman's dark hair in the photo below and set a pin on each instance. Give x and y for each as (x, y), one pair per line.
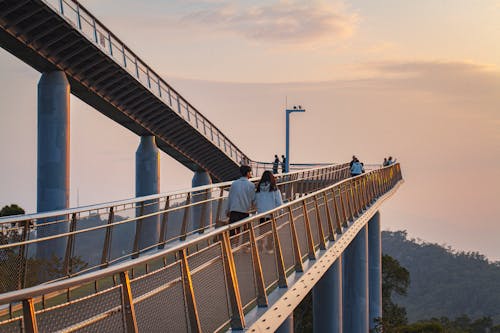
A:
(268, 177)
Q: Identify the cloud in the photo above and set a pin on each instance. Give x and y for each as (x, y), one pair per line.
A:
(285, 21)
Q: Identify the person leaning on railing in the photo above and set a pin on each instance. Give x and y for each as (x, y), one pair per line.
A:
(241, 197)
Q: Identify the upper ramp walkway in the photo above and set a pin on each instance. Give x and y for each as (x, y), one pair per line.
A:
(62, 35)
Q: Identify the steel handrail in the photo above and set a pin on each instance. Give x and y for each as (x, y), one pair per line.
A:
(31, 292)
(95, 207)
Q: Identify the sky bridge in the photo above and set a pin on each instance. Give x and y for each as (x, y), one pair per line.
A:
(169, 261)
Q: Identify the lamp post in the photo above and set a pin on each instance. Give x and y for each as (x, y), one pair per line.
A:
(287, 154)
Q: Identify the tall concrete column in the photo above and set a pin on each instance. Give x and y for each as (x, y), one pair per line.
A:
(53, 158)
(201, 216)
(355, 284)
(327, 300)
(375, 269)
(287, 326)
(147, 182)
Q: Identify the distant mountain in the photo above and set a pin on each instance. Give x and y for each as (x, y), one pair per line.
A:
(444, 282)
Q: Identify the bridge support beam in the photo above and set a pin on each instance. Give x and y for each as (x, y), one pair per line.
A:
(53, 158)
(355, 284)
(202, 213)
(327, 300)
(287, 326)
(375, 269)
(147, 182)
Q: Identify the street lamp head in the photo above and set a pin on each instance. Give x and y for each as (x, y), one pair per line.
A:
(295, 107)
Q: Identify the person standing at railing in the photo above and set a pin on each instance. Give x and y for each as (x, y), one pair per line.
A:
(283, 164)
(390, 161)
(241, 197)
(276, 164)
(356, 168)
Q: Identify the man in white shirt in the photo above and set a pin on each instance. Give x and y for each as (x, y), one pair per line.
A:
(241, 197)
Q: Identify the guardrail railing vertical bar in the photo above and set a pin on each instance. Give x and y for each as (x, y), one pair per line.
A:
(29, 317)
(348, 202)
(187, 283)
(128, 303)
(22, 255)
(321, 234)
(260, 284)
(310, 240)
(67, 264)
(280, 264)
(331, 231)
(238, 317)
(163, 225)
(295, 242)
(138, 229)
(344, 209)
(107, 239)
(338, 221)
(185, 217)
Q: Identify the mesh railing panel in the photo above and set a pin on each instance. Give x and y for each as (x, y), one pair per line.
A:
(313, 221)
(11, 326)
(323, 216)
(156, 279)
(245, 274)
(209, 285)
(63, 316)
(300, 227)
(268, 259)
(285, 237)
(163, 310)
(204, 256)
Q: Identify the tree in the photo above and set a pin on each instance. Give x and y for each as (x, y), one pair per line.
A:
(12, 209)
(395, 279)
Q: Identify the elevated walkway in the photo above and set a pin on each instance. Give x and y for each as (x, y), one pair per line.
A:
(214, 282)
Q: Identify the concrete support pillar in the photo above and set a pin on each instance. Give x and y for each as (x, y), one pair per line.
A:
(355, 284)
(201, 216)
(375, 269)
(147, 182)
(327, 301)
(287, 326)
(53, 158)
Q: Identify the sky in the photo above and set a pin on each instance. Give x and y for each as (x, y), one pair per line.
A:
(417, 80)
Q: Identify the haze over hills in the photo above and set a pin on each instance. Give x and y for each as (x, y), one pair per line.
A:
(444, 281)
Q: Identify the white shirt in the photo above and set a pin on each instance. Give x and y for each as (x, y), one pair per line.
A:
(241, 196)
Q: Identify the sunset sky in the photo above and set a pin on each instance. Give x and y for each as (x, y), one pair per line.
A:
(419, 80)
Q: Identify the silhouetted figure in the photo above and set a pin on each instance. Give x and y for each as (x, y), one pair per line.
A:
(283, 163)
(391, 161)
(385, 162)
(354, 159)
(241, 197)
(356, 167)
(276, 164)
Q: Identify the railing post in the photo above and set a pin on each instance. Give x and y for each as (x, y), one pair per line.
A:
(238, 317)
(257, 270)
(295, 242)
(29, 316)
(310, 239)
(128, 303)
(163, 226)
(280, 265)
(69, 246)
(138, 229)
(22, 256)
(185, 217)
(107, 239)
(78, 17)
(331, 230)
(338, 221)
(321, 234)
(344, 209)
(187, 283)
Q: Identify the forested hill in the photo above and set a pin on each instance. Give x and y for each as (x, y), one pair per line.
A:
(444, 282)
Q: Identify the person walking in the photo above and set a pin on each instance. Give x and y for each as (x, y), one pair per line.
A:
(241, 198)
(276, 164)
(283, 164)
(267, 198)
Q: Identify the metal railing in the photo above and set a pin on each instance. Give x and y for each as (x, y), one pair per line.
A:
(101, 235)
(97, 33)
(206, 283)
